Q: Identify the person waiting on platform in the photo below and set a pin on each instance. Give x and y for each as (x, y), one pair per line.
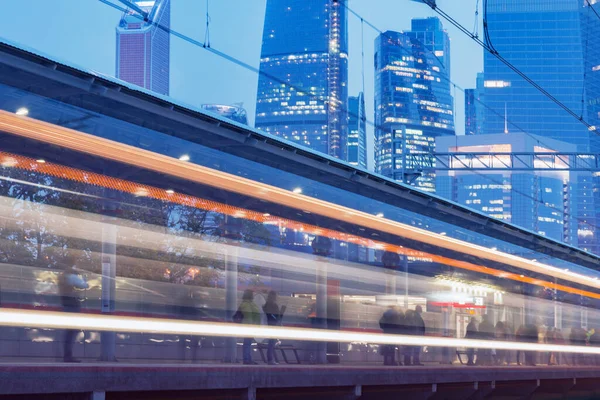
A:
(69, 282)
(248, 313)
(274, 314)
(391, 323)
(471, 333)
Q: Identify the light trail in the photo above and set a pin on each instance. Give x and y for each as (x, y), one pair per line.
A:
(89, 144)
(82, 222)
(113, 323)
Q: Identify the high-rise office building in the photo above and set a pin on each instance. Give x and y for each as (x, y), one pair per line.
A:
(474, 109)
(357, 131)
(303, 83)
(470, 112)
(543, 39)
(590, 26)
(556, 44)
(413, 102)
(540, 201)
(143, 48)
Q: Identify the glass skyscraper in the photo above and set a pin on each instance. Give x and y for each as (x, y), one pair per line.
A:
(470, 112)
(303, 85)
(413, 102)
(474, 109)
(543, 39)
(357, 131)
(590, 24)
(143, 49)
(556, 43)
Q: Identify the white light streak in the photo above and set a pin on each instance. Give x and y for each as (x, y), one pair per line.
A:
(95, 322)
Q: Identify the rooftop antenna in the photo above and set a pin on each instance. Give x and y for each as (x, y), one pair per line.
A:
(135, 8)
(207, 32)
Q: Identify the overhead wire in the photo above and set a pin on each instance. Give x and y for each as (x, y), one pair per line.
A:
(483, 175)
(251, 68)
(490, 48)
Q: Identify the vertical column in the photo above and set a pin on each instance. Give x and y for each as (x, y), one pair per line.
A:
(557, 309)
(405, 267)
(321, 247)
(109, 273)
(391, 262)
(232, 233)
(584, 313)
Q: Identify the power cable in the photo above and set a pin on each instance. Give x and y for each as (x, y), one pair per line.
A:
(494, 52)
(299, 89)
(485, 176)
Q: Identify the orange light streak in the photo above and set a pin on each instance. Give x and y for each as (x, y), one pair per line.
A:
(104, 148)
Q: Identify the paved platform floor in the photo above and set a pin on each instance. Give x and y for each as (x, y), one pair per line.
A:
(195, 381)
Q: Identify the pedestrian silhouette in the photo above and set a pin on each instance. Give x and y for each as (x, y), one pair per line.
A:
(250, 315)
(391, 322)
(274, 314)
(69, 284)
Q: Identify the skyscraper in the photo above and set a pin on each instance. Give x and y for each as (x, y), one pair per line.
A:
(554, 43)
(474, 109)
(413, 103)
(303, 83)
(143, 48)
(470, 112)
(543, 39)
(357, 131)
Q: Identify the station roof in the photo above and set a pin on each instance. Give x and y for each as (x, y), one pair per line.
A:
(31, 70)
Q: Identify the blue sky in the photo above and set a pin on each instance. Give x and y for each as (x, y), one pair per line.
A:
(82, 32)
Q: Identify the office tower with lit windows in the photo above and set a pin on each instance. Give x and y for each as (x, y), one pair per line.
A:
(143, 48)
(357, 131)
(556, 44)
(474, 108)
(540, 201)
(542, 39)
(303, 83)
(413, 102)
(470, 112)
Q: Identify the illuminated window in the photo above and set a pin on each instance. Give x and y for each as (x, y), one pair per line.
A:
(496, 84)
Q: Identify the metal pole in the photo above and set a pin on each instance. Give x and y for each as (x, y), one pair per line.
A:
(109, 273)
(321, 356)
(405, 265)
(557, 309)
(231, 298)
(390, 284)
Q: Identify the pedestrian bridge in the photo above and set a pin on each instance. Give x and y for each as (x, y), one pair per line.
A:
(174, 217)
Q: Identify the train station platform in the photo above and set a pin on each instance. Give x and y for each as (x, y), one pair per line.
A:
(194, 381)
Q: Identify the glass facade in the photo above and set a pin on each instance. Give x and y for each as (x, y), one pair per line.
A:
(143, 50)
(303, 83)
(357, 131)
(590, 24)
(554, 43)
(413, 102)
(470, 112)
(474, 108)
(543, 39)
